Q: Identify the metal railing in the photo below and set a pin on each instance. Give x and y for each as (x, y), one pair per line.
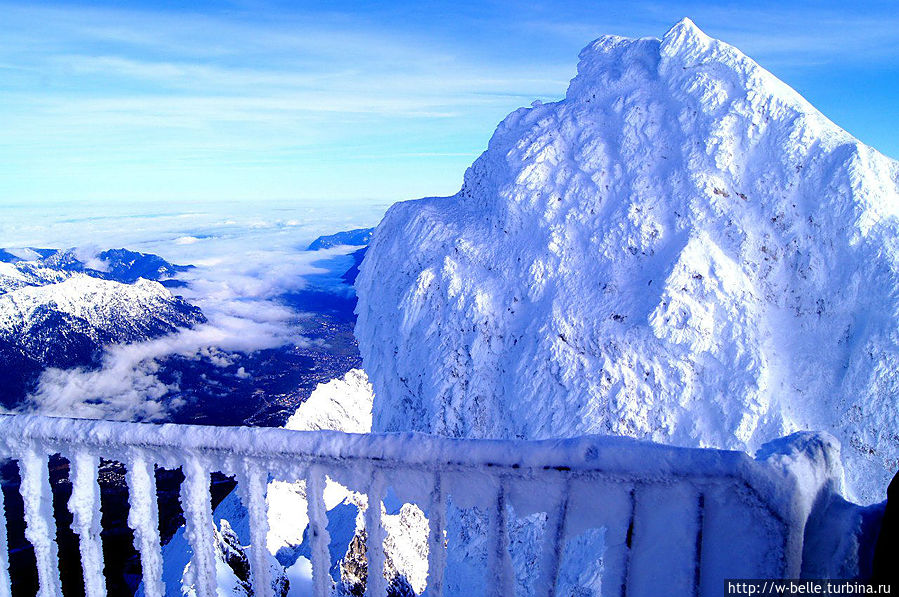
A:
(685, 518)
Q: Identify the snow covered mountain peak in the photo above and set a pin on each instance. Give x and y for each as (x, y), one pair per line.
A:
(103, 304)
(682, 249)
(710, 64)
(58, 312)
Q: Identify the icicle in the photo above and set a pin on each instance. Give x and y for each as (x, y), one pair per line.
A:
(318, 523)
(252, 487)
(436, 539)
(195, 500)
(84, 504)
(5, 586)
(375, 585)
(39, 522)
(499, 575)
(143, 517)
(553, 540)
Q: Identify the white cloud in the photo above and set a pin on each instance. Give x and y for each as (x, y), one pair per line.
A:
(248, 260)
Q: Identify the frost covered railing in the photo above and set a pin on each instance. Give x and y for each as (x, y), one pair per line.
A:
(673, 521)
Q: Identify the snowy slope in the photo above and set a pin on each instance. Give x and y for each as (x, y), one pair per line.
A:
(349, 396)
(45, 320)
(342, 404)
(57, 312)
(19, 275)
(683, 249)
(359, 236)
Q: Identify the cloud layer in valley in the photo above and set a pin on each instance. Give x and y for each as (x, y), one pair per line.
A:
(245, 260)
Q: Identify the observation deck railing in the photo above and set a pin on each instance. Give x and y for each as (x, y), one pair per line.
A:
(676, 521)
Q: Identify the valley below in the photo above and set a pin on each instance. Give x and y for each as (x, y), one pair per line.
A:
(261, 387)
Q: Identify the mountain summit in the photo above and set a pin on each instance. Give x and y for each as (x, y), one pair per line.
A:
(683, 249)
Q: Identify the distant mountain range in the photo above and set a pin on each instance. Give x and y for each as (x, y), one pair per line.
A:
(357, 237)
(63, 309)
(120, 265)
(60, 310)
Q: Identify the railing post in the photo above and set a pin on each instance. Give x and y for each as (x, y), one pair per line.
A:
(375, 585)
(554, 542)
(253, 486)
(697, 569)
(500, 576)
(436, 538)
(5, 584)
(84, 504)
(199, 526)
(318, 531)
(143, 518)
(40, 527)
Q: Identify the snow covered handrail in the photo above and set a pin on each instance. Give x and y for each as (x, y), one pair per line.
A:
(689, 516)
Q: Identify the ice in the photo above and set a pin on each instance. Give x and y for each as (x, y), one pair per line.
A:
(500, 577)
(554, 536)
(143, 517)
(436, 539)
(84, 504)
(318, 521)
(374, 549)
(40, 528)
(199, 528)
(5, 586)
(253, 485)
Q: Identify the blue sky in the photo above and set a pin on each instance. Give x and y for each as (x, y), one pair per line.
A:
(128, 101)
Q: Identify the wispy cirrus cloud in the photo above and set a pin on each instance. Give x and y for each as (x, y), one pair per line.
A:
(110, 101)
(281, 100)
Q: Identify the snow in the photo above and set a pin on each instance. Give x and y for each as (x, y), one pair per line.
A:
(273, 512)
(20, 274)
(5, 584)
(231, 525)
(436, 538)
(375, 535)
(341, 404)
(320, 539)
(300, 577)
(504, 499)
(203, 573)
(682, 250)
(84, 504)
(357, 237)
(39, 528)
(252, 486)
(143, 517)
(110, 306)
